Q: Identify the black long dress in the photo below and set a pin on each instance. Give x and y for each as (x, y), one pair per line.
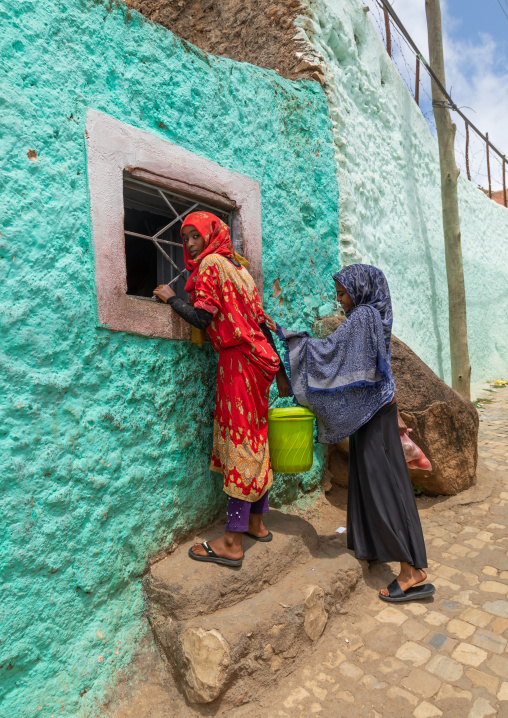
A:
(382, 518)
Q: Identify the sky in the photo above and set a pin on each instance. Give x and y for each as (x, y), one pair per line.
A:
(475, 38)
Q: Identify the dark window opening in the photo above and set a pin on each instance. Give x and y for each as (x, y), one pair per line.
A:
(153, 246)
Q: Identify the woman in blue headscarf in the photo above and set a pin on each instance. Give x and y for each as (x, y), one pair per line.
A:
(347, 381)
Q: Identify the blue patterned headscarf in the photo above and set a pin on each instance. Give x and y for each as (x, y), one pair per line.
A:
(367, 285)
(346, 378)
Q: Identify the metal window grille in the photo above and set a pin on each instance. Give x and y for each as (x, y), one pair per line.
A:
(153, 246)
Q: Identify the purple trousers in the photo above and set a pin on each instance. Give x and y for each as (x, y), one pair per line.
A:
(239, 512)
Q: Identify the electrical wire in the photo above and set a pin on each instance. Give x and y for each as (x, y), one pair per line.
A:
(502, 8)
(477, 157)
(451, 105)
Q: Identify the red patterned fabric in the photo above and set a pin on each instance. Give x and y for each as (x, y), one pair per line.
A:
(217, 241)
(246, 368)
(240, 428)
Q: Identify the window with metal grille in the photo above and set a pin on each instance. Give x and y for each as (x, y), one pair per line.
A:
(141, 188)
(153, 246)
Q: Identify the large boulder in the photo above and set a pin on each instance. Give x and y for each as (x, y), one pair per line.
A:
(444, 423)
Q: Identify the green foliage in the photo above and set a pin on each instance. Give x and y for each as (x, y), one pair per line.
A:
(480, 402)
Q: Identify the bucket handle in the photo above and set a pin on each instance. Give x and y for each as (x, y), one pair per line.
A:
(273, 401)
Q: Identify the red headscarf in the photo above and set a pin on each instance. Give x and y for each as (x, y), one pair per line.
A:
(217, 241)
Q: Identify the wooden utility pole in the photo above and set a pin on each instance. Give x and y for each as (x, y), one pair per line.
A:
(388, 33)
(461, 368)
(488, 166)
(504, 183)
(417, 81)
(467, 152)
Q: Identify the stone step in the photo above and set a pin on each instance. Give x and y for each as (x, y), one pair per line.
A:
(253, 637)
(182, 588)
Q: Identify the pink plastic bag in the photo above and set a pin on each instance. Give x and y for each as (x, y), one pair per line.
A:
(411, 451)
(422, 463)
(415, 458)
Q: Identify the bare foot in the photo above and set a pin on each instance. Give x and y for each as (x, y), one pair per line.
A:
(227, 546)
(408, 577)
(256, 526)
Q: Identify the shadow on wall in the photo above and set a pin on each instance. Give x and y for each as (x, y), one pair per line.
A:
(288, 488)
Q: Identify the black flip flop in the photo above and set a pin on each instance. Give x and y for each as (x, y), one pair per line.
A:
(416, 593)
(213, 558)
(263, 539)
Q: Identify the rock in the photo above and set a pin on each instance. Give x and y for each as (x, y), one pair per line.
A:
(444, 423)
(326, 482)
(498, 608)
(315, 614)
(206, 656)
(338, 462)
(315, 68)
(414, 653)
(422, 683)
(447, 692)
(445, 668)
(481, 709)
(427, 710)
(469, 655)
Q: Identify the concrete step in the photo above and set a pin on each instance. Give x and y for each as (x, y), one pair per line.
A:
(183, 588)
(243, 628)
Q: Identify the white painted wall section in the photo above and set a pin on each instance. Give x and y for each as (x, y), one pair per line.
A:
(390, 197)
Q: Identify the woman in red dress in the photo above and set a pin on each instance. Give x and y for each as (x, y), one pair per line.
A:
(224, 300)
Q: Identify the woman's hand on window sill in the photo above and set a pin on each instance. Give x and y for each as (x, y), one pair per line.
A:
(164, 292)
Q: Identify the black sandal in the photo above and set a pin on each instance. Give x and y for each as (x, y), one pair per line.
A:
(213, 558)
(397, 595)
(264, 539)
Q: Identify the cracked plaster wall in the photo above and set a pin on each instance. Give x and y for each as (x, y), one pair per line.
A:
(106, 436)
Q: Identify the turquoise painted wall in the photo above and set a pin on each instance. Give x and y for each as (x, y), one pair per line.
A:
(106, 437)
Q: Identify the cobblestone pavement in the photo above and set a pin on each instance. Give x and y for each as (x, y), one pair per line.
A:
(447, 656)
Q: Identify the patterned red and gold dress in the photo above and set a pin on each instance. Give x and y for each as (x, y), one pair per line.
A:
(247, 366)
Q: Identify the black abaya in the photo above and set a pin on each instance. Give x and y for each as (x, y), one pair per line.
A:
(382, 518)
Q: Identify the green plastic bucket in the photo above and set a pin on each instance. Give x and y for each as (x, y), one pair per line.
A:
(290, 437)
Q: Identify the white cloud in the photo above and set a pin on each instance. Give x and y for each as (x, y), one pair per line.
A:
(476, 77)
